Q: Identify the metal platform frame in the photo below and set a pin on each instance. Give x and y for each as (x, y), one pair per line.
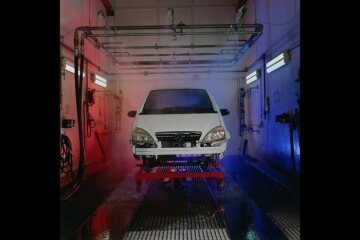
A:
(178, 209)
(181, 171)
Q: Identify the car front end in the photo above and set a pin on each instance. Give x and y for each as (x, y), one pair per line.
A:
(172, 133)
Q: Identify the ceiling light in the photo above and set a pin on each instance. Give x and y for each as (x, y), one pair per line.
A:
(100, 81)
(277, 62)
(72, 69)
(252, 76)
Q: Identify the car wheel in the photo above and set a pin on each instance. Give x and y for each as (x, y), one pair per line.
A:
(148, 163)
(204, 164)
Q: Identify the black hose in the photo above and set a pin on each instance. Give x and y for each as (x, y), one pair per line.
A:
(78, 93)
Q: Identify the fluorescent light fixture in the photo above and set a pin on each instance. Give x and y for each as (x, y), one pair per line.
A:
(100, 81)
(277, 62)
(252, 76)
(72, 69)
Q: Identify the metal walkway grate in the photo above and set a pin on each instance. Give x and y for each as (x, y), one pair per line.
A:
(184, 210)
(288, 223)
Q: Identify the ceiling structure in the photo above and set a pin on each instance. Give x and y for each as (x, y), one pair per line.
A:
(157, 40)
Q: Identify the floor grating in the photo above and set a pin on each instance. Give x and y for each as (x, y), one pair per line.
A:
(177, 210)
(288, 223)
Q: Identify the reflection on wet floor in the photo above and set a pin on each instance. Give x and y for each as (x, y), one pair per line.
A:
(244, 217)
(112, 218)
(278, 204)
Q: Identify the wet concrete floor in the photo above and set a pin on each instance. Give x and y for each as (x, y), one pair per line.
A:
(246, 205)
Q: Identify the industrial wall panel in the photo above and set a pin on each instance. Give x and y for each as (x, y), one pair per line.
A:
(206, 15)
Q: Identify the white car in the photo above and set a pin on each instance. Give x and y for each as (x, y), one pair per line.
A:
(178, 123)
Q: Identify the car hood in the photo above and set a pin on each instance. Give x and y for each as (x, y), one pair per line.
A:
(203, 122)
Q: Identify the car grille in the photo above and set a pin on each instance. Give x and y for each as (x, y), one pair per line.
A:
(178, 139)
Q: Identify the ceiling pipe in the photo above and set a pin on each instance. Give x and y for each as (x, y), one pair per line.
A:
(177, 67)
(127, 54)
(110, 43)
(108, 7)
(258, 27)
(191, 46)
(254, 36)
(86, 58)
(246, 46)
(176, 62)
(179, 72)
(168, 34)
(97, 44)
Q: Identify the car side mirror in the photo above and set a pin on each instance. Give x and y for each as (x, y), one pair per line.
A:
(132, 114)
(224, 111)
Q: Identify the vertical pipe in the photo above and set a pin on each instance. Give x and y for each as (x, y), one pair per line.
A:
(76, 58)
(264, 111)
(292, 153)
(245, 147)
(81, 68)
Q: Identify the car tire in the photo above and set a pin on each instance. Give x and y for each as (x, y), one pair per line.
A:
(149, 163)
(204, 164)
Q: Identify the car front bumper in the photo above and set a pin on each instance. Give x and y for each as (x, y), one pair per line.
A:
(179, 150)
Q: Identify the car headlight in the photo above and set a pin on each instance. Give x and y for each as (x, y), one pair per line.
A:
(215, 135)
(141, 138)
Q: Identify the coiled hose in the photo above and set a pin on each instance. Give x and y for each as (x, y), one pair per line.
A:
(66, 162)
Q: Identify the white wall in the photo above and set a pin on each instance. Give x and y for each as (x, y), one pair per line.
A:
(272, 142)
(74, 14)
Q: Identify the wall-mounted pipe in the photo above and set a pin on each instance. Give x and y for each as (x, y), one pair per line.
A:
(86, 58)
(266, 98)
(105, 43)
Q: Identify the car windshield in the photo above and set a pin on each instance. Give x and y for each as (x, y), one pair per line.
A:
(175, 101)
